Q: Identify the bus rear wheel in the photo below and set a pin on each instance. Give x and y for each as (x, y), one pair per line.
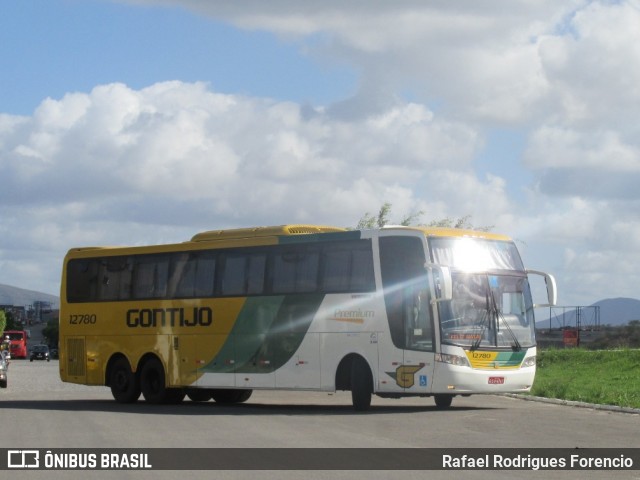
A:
(361, 384)
(152, 382)
(124, 384)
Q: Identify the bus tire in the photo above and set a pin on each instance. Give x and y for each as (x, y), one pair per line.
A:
(125, 387)
(244, 396)
(199, 395)
(3, 384)
(443, 400)
(152, 382)
(174, 396)
(229, 397)
(361, 384)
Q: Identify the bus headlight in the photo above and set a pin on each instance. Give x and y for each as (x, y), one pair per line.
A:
(452, 359)
(529, 361)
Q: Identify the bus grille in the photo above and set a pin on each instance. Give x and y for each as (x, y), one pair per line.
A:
(76, 365)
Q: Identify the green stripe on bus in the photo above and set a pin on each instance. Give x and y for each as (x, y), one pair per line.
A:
(266, 334)
(507, 359)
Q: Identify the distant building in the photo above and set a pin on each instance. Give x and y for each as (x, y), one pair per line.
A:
(19, 313)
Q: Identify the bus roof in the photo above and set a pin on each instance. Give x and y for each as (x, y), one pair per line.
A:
(264, 232)
(293, 233)
(290, 230)
(460, 232)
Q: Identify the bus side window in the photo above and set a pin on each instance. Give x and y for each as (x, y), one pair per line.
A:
(337, 265)
(362, 277)
(182, 275)
(114, 278)
(295, 270)
(192, 275)
(255, 273)
(348, 267)
(82, 280)
(205, 274)
(234, 275)
(150, 276)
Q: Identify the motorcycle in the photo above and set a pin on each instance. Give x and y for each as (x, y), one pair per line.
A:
(5, 356)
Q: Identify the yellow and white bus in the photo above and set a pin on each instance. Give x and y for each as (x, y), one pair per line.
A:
(396, 311)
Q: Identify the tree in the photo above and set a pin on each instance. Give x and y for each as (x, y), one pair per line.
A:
(12, 324)
(382, 219)
(370, 221)
(7, 322)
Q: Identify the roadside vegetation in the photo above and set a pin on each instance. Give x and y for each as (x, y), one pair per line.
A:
(607, 377)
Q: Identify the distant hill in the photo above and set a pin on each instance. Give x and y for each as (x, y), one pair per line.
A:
(20, 297)
(613, 311)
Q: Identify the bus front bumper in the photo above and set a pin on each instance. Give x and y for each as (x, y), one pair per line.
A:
(466, 380)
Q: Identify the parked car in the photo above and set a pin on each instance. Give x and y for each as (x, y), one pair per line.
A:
(39, 352)
(4, 366)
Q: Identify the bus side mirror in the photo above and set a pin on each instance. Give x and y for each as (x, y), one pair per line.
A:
(552, 293)
(442, 283)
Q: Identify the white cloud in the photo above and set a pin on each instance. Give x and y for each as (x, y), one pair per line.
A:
(118, 165)
(123, 165)
(556, 147)
(479, 59)
(589, 142)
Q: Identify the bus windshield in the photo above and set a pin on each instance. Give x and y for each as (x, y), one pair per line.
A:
(488, 311)
(491, 305)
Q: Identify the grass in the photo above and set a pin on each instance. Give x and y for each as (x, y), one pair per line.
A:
(607, 377)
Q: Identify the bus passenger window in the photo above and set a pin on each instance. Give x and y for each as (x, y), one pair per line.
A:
(205, 274)
(151, 274)
(337, 265)
(255, 273)
(233, 279)
(348, 267)
(193, 275)
(114, 278)
(182, 276)
(82, 280)
(295, 271)
(362, 278)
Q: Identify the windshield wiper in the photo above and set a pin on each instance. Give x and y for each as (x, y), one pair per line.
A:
(483, 324)
(492, 312)
(516, 347)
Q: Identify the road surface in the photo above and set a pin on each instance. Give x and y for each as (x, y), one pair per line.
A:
(39, 411)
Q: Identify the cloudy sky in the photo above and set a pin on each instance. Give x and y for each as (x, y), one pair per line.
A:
(146, 121)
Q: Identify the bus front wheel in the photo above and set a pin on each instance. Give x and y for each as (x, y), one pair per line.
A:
(123, 382)
(361, 384)
(443, 400)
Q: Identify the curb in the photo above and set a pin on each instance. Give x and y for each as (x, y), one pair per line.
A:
(571, 403)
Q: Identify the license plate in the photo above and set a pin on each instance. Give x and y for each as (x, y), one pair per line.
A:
(496, 380)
